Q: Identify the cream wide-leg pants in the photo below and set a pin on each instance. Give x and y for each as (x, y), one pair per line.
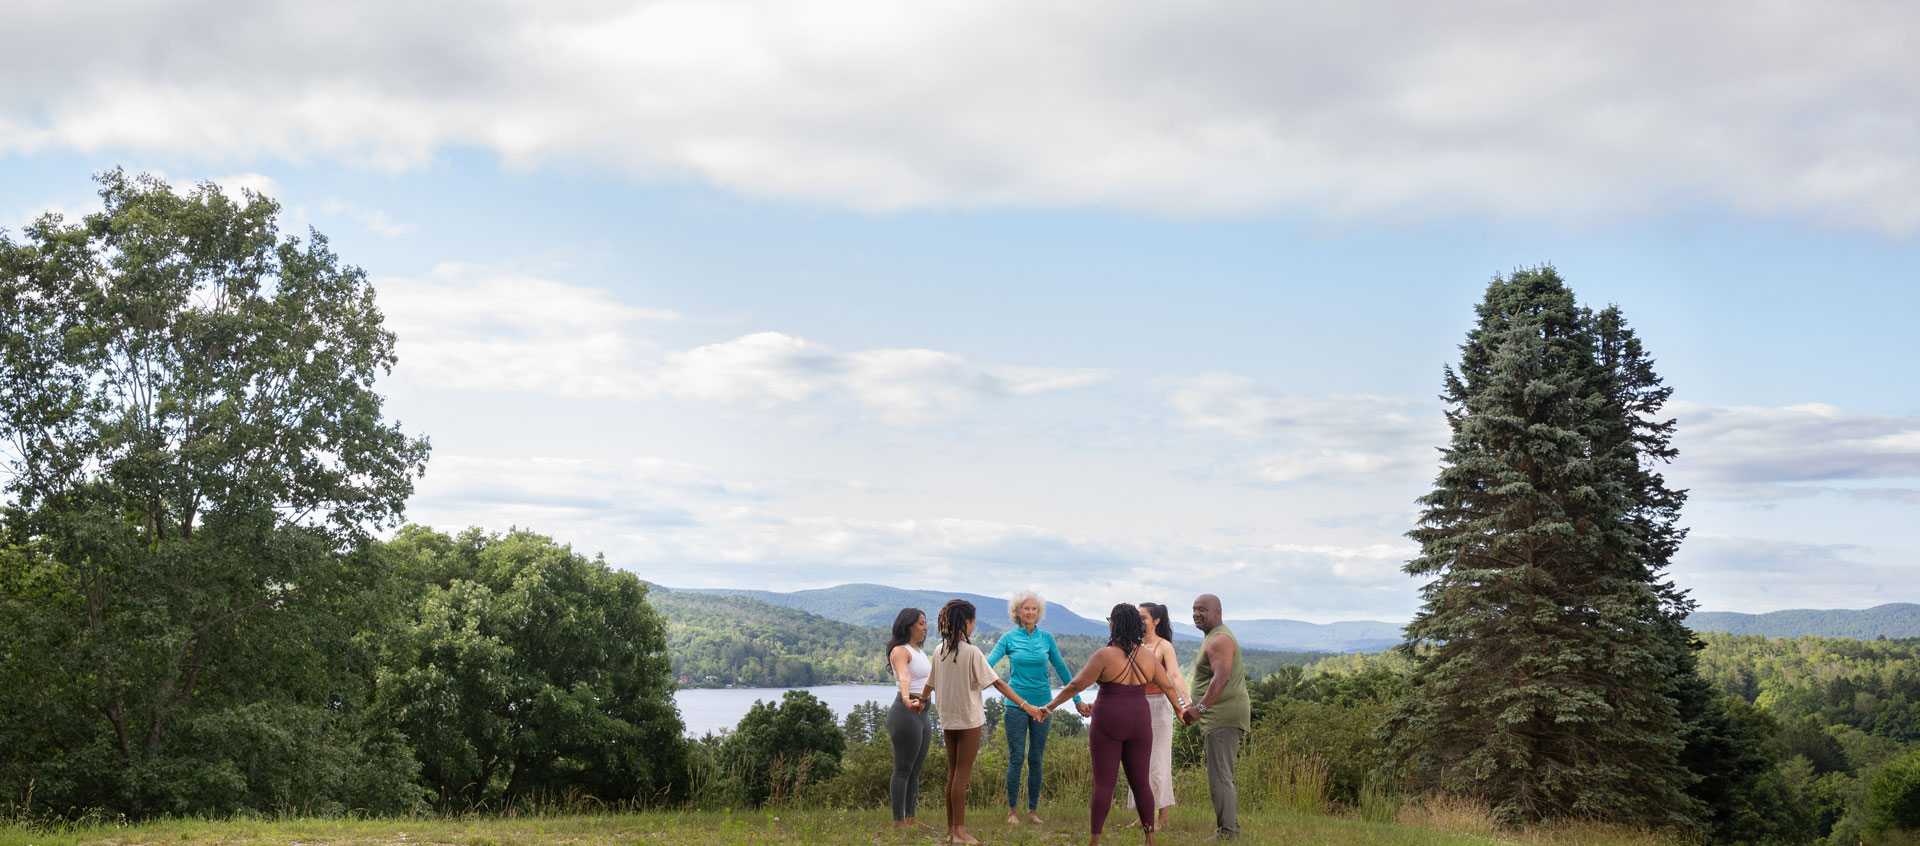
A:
(1160, 766)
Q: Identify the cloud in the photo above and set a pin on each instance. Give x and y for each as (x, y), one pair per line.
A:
(1756, 575)
(471, 328)
(1771, 453)
(236, 185)
(374, 220)
(1315, 438)
(1566, 110)
(468, 328)
(685, 525)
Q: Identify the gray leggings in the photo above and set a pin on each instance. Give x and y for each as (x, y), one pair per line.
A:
(911, 734)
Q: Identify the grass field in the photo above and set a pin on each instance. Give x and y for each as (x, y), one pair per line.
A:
(1065, 825)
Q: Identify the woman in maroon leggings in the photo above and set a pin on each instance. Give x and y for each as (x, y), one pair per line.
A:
(1122, 732)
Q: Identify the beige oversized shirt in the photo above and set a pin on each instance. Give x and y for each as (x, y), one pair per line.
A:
(956, 682)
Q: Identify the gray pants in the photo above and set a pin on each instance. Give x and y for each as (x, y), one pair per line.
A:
(1222, 746)
(911, 734)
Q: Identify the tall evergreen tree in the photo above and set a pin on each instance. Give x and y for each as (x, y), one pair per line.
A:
(1547, 636)
(1723, 756)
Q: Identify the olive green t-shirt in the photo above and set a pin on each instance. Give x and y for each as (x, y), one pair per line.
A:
(1233, 709)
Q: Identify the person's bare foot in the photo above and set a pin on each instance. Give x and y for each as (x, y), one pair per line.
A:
(899, 825)
(926, 825)
(1013, 817)
(958, 834)
(1034, 817)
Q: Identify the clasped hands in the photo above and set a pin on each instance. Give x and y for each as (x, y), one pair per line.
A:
(1190, 715)
(1040, 714)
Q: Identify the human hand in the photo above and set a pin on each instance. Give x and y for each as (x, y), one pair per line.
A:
(916, 704)
(1084, 709)
(1038, 713)
(1190, 715)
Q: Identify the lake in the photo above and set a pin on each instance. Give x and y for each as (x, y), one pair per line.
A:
(708, 709)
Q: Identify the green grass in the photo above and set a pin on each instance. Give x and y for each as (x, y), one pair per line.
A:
(1065, 825)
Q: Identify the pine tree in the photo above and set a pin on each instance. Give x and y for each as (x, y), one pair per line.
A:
(1547, 636)
(1724, 757)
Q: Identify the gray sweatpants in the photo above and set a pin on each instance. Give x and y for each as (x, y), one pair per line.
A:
(911, 734)
(1222, 747)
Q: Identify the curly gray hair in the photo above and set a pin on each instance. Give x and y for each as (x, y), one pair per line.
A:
(1019, 599)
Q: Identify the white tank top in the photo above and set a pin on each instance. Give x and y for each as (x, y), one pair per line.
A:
(918, 668)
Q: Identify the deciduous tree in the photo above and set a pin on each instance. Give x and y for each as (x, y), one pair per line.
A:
(194, 453)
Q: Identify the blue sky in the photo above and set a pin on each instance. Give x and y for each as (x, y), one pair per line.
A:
(1112, 301)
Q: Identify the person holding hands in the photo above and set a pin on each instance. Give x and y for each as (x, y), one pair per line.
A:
(1222, 710)
(1030, 652)
(1159, 645)
(1122, 733)
(959, 675)
(909, 725)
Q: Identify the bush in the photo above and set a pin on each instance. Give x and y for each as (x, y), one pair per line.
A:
(782, 747)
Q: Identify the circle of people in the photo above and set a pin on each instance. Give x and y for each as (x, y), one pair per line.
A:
(1141, 693)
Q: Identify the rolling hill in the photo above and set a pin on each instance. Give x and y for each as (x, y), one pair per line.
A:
(1893, 620)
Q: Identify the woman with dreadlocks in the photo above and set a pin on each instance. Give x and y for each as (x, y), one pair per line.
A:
(1122, 733)
(960, 673)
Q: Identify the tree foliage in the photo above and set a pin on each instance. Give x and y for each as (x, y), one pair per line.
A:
(194, 454)
(1546, 688)
(523, 668)
(1893, 799)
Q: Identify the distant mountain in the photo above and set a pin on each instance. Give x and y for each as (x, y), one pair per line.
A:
(875, 605)
(1893, 620)
(1294, 635)
(718, 639)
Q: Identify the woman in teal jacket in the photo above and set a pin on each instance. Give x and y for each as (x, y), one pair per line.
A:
(1031, 651)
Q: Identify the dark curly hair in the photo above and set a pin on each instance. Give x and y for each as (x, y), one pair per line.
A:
(1123, 622)
(1161, 625)
(954, 617)
(902, 631)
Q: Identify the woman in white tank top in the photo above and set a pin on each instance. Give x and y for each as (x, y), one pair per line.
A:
(909, 723)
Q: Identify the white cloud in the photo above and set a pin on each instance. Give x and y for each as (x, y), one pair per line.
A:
(688, 526)
(1756, 575)
(1338, 110)
(374, 220)
(1316, 438)
(1760, 453)
(471, 329)
(236, 185)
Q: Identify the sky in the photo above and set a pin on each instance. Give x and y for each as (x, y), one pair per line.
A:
(1111, 301)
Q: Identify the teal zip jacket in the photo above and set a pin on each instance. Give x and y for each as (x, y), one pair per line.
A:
(1031, 653)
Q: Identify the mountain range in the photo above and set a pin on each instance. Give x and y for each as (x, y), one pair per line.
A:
(1893, 620)
(876, 605)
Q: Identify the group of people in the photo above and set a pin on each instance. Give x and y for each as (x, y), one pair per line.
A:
(1142, 691)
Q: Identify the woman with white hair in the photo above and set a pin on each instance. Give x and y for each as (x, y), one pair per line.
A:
(1030, 652)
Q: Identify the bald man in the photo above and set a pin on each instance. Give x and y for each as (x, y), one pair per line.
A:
(1221, 709)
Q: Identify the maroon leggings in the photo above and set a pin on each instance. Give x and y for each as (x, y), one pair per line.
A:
(1122, 736)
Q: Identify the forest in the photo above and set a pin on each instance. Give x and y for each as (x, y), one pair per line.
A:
(211, 603)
